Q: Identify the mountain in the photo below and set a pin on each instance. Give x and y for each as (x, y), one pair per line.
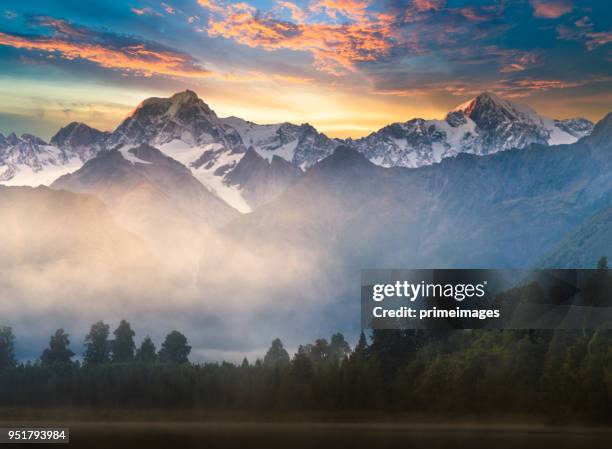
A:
(185, 128)
(29, 160)
(80, 139)
(115, 175)
(188, 130)
(584, 245)
(502, 210)
(484, 125)
(153, 196)
(261, 180)
(301, 145)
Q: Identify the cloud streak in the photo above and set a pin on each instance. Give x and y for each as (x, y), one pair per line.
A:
(104, 49)
(582, 30)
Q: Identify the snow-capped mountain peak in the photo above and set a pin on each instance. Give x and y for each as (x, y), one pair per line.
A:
(80, 139)
(183, 116)
(485, 124)
(247, 164)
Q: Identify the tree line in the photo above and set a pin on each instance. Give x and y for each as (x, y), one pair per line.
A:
(555, 373)
(99, 349)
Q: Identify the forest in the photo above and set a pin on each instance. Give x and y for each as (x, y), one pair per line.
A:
(558, 374)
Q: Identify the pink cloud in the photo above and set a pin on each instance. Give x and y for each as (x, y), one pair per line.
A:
(71, 42)
(550, 9)
(428, 5)
(336, 48)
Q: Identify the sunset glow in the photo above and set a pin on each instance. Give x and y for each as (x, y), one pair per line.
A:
(347, 67)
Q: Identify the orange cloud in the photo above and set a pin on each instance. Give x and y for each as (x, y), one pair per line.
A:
(427, 5)
(594, 40)
(550, 9)
(70, 42)
(508, 88)
(545, 84)
(335, 47)
(211, 5)
(520, 63)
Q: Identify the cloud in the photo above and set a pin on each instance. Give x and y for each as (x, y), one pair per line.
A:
(297, 14)
(518, 62)
(352, 9)
(511, 88)
(583, 31)
(169, 9)
(107, 50)
(146, 11)
(336, 48)
(550, 9)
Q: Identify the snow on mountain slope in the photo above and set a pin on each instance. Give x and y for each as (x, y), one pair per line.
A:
(505, 124)
(80, 139)
(301, 145)
(185, 128)
(486, 124)
(28, 160)
(188, 130)
(209, 171)
(130, 156)
(278, 139)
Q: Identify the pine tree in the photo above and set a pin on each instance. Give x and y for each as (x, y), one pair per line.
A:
(97, 344)
(276, 354)
(175, 348)
(123, 345)
(147, 352)
(339, 349)
(301, 366)
(58, 351)
(361, 350)
(320, 350)
(7, 348)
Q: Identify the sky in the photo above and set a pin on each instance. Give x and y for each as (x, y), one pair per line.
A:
(348, 67)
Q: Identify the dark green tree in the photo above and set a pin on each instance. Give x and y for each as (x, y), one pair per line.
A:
(276, 354)
(123, 345)
(58, 351)
(339, 349)
(97, 345)
(361, 350)
(301, 366)
(147, 352)
(175, 348)
(320, 350)
(7, 347)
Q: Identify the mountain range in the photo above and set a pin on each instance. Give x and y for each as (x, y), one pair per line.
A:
(247, 165)
(149, 219)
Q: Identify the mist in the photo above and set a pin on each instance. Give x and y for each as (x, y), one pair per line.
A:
(68, 260)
